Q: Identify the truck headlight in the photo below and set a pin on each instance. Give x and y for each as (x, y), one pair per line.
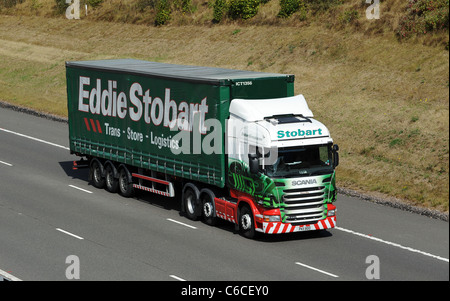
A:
(331, 210)
(272, 218)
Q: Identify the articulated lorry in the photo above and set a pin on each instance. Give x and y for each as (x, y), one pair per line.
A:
(232, 144)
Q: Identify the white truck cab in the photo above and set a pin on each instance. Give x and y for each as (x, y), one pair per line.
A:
(280, 155)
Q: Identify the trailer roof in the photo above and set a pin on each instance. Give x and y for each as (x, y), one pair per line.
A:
(210, 75)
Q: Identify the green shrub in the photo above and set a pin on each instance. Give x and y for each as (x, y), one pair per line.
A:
(9, 3)
(93, 3)
(423, 16)
(184, 6)
(219, 10)
(289, 7)
(349, 16)
(243, 9)
(60, 6)
(163, 12)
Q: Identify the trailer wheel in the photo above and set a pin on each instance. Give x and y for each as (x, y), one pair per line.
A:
(125, 186)
(112, 184)
(246, 222)
(96, 174)
(192, 204)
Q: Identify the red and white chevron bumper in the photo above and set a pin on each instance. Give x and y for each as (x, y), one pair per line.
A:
(279, 228)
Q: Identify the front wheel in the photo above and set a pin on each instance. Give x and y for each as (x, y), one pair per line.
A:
(246, 223)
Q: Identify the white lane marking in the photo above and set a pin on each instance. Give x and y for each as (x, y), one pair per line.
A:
(177, 278)
(317, 270)
(8, 164)
(68, 233)
(392, 244)
(8, 276)
(73, 186)
(339, 228)
(186, 225)
(33, 138)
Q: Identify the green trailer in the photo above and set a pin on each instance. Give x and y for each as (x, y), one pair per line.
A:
(123, 110)
(155, 126)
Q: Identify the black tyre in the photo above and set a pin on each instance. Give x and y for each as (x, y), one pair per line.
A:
(191, 204)
(112, 183)
(208, 209)
(246, 222)
(97, 175)
(125, 186)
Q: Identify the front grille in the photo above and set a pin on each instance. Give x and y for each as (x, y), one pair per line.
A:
(304, 205)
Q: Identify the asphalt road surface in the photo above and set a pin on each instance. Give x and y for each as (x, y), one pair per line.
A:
(55, 226)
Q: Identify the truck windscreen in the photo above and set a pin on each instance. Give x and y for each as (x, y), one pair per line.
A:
(301, 161)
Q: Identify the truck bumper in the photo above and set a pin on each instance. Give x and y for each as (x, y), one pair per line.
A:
(279, 227)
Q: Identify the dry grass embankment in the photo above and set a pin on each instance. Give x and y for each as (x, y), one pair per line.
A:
(385, 102)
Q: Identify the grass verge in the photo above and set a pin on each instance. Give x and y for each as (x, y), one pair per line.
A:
(386, 103)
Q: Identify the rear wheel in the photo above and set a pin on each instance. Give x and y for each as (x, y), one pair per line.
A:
(112, 183)
(125, 186)
(246, 222)
(96, 174)
(192, 204)
(208, 209)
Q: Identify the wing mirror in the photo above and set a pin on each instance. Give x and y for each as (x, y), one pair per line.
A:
(335, 155)
(253, 163)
